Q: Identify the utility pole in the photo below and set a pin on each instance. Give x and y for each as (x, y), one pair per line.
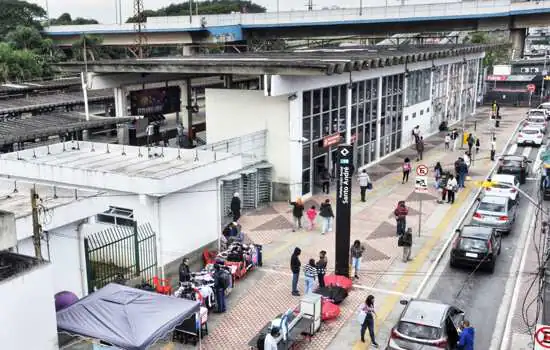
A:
(139, 29)
(36, 227)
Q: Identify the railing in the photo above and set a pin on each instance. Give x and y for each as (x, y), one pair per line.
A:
(252, 147)
(392, 10)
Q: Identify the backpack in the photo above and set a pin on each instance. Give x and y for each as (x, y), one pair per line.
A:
(225, 279)
(406, 166)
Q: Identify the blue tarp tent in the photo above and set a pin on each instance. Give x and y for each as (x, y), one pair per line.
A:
(125, 317)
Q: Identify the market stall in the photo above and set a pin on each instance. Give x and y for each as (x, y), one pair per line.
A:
(126, 317)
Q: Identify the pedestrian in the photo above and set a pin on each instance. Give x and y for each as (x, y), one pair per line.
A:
(467, 161)
(419, 148)
(321, 266)
(325, 180)
(368, 309)
(416, 133)
(270, 341)
(406, 170)
(165, 139)
(493, 148)
(400, 214)
(356, 253)
(461, 170)
(327, 214)
(452, 187)
(297, 213)
(364, 180)
(470, 140)
(405, 241)
(236, 207)
(466, 338)
(220, 284)
(295, 265)
(310, 273)
(477, 144)
(149, 130)
(455, 138)
(311, 215)
(447, 141)
(184, 271)
(438, 171)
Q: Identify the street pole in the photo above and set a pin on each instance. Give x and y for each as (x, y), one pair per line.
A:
(36, 228)
(544, 73)
(348, 114)
(420, 216)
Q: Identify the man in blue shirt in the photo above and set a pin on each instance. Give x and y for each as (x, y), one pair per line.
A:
(466, 338)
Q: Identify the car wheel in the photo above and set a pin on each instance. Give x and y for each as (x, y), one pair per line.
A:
(452, 263)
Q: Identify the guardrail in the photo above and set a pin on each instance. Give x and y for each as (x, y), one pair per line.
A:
(252, 147)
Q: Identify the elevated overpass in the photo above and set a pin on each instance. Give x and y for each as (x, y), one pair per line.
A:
(397, 18)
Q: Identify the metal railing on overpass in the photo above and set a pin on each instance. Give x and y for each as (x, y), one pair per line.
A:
(252, 147)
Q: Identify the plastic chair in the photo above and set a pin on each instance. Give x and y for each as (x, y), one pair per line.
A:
(162, 286)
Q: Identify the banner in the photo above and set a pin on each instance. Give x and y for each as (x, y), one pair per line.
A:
(156, 101)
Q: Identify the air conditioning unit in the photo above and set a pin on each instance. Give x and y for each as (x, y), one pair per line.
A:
(8, 236)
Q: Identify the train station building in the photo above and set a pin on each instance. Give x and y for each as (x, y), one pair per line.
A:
(301, 102)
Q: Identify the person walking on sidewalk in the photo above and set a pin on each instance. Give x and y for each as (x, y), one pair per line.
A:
(477, 145)
(368, 309)
(236, 207)
(327, 214)
(321, 266)
(438, 171)
(419, 148)
(325, 181)
(297, 213)
(455, 138)
(406, 170)
(356, 253)
(401, 213)
(364, 180)
(311, 216)
(466, 338)
(461, 170)
(295, 265)
(470, 140)
(467, 161)
(310, 273)
(447, 141)
(452, 187)
(405, 241)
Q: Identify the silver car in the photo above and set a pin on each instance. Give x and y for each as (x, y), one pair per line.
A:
(497, 211)
(426, 325)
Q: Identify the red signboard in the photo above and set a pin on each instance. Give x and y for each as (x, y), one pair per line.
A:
(496, 77)
(531, 88)
(331, 140)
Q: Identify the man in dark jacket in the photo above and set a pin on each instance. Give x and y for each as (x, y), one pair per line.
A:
(419, 148)
(184, 272)
(326, 213)
(467, 337)
(295, 265)
(325, 180)
(219, 286)
(471, 142)
(401, 213)
(236, 207)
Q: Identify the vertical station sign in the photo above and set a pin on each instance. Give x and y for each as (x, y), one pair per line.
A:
(343, 209)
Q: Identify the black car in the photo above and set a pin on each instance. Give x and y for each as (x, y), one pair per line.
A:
(476, 246)
(514, 165)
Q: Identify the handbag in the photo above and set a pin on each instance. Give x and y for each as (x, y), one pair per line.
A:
(361, 316)
(369, 186)
(400, 241)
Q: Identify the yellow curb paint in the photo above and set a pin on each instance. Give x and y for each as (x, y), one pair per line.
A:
(391, 300)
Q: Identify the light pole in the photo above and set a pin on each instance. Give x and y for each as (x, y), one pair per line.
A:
(544, 73)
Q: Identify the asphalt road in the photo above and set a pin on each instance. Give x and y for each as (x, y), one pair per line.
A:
(480, 294)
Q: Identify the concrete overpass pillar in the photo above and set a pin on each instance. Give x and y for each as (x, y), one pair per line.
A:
(121, 104)
(517, 36)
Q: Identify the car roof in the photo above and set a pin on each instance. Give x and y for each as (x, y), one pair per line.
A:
(426, 312)
(545, 104)
(503, 178)
(495, 199)
(530, 128)
(474, 231)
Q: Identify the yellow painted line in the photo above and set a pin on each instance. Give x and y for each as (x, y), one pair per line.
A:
(391, 300)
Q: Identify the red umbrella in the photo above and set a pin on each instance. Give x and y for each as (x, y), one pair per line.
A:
(340, 281)
(329, 311)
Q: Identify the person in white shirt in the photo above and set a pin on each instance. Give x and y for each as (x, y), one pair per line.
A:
(364, 180)
(270, 342)
(467, 160)
(149, 130)
(447, 142)
(451, 187)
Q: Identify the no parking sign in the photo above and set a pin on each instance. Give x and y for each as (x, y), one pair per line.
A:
(542, 337)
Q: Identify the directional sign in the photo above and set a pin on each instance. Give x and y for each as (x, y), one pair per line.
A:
(422, 170)
(542, 337)
(421, 184)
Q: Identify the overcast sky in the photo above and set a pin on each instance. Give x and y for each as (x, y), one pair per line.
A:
(104, 10)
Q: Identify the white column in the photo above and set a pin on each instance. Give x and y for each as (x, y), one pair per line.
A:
(405, 88)
(378, 118)
(460, 95)
(476, 88)
(182, 116)
(348, 114)
(120, 102)
(447, 93)
(296, 145)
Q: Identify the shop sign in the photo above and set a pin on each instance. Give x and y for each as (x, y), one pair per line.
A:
(496, 77)
(156, 101)
(331, 140)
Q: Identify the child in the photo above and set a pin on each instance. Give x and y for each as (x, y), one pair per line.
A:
(311, 215)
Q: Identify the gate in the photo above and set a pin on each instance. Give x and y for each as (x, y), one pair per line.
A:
(120, 253)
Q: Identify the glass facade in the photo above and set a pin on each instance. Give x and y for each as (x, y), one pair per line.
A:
(420, 80)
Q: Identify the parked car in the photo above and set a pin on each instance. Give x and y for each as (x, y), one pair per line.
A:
(546, 107)
(514, 165)
(476, 246)
(530, 135)
(503, 185)
(498, 212)
(426, 325)
(536, 118)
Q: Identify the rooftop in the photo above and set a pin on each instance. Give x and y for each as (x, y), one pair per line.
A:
(41, 102)
(12, 264)
(39, 85)
(155, 171)
(305, 62)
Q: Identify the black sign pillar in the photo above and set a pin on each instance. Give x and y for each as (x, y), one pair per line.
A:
(343, 209)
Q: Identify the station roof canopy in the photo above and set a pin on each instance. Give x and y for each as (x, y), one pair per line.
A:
(31, 128)
(41, 102)
(39, 85)
(304, 62)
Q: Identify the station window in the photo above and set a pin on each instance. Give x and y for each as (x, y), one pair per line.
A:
(414, 115)
(421, 112)
(117, 216)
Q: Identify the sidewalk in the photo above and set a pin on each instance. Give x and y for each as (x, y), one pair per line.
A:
(265, 293)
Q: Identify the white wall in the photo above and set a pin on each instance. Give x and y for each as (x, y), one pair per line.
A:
(422, 120)
(233, 113)
(28, 311)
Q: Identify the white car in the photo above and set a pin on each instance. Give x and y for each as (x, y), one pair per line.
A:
(531, 135)
(536, 120)
(503, 185)
(546, 107)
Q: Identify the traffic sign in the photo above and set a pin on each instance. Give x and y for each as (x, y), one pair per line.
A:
(421, 184)
(531, 87)
(422, 170)
(542, 337)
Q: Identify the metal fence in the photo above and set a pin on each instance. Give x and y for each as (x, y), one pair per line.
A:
(252, 147)
(120, 252)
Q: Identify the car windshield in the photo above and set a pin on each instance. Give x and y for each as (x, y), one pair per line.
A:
(418, 331)
(529, 131)
(473, 245)
(502, 186)
(511, 163)
(491, 207)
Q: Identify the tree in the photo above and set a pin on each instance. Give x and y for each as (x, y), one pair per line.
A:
(25, 38)
(14, 13)
(66, 19)
(493, 56)
(17, 65)
(88, 46)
